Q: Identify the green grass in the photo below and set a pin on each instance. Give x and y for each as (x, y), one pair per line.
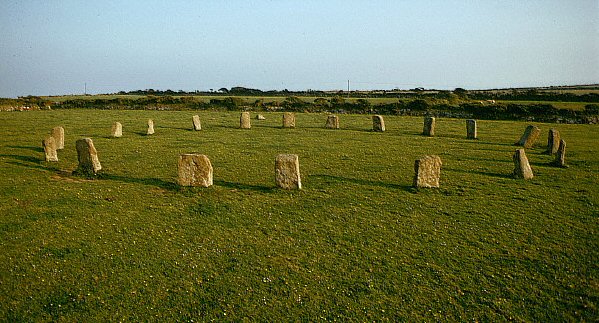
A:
(576, 106)
(357, 243)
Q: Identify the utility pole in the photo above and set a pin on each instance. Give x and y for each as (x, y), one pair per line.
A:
(348, 89)
(85, 88)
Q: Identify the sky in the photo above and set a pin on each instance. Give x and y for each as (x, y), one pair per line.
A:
(54, 47)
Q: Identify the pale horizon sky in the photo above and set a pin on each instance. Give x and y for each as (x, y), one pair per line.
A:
(55, 47)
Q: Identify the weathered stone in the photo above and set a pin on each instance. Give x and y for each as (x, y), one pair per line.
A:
(553, 141)
(150, 127)
(288, 120)
(531, 134)
(429, 126)
(560, 157)
(427, 171)
(195, 170)
(471, 131)
(521, 166)
(49, 144)
(287, 172)
(117, 130)
(87, 156)
(332, 122)
(260, 117)
(197, 125)
(244, 121)
(58, 134)
(378, 123)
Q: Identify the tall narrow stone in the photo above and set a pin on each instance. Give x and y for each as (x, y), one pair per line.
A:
(87, 156)
(288, 120)
(332, 122)
(58, 134)
(378, 123)
(553, 141)
(521, 166)
(197, 125)
(471, 131)
(531, 134)
(244, 121)
(150, 127)
(560, 157)
(429, 126)
(49, 144)
(195, 170)
(117, 130)
(287, 172)
(427, 171)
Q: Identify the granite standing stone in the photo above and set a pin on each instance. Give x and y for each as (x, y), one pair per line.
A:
(287, 172)
(560, 157)
(49, 144)
(378, 123)
(427, 171)
(332, 122)
(197, 125)
(150, 127)
(58, 134)
(429, 126)
(195, 170)
(553, 141)
(288, 120)
(531, 134)
(521, 166)
(117, 130)
(471, 131)
(244, 121)
(87, 156)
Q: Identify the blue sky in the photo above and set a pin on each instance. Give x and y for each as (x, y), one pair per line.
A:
(55, 47)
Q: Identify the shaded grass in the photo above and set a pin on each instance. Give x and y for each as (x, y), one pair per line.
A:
(358, 243)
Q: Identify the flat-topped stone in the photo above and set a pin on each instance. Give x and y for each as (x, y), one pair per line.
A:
(288, 120)
(58, 134)
(194, 170)
(427, 172)
(429, 126)
(332, 122)
(471, 131)
(49, 144)
(287, 172)
(244, 121)
(117, 130)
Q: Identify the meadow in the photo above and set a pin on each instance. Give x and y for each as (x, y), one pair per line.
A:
(357, 243)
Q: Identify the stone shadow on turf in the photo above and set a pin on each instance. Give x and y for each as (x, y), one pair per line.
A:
(169, 186)
(338, 179)
(28, 159)
(240, 186)
(33, 148)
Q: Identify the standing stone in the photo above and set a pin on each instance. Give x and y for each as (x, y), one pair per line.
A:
(288, 120)
(553, 141)
(195, 170)
(150, 127)
(471, 131)
(244, 121)
(49, 144)
(429, 126)
(58, 134)
(197, 126)
(560, 157)
(332, 122)
(378, 123)
(521, 166)
(87, 156)
(117, 130)
(531, 134)
(427, 171)
(287, 173)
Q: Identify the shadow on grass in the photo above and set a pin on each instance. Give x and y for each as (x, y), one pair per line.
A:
(33, 148)
(240, 186)
(28, 159)
(169, 186)
(340, 179)
(478, 172)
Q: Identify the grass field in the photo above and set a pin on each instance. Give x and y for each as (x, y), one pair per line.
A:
(576, 106)
(357, 243)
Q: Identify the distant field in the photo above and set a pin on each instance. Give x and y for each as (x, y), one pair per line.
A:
(358, 243)
(577, 106)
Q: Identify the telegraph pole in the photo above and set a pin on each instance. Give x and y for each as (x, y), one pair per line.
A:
(348, 89)
(85, 88)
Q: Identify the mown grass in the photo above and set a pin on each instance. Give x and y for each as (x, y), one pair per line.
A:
(357, 243)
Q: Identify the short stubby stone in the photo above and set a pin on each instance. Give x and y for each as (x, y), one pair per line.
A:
(260, 117)
(49, 144)
(427, 171)
(429, 126)
(288, 120)
(195, 170)
(471, 131)
(58, 134)
(521, 166)
(87, 156)
(560, 157)
(287, 172)
(553, 141)
(117, 130)
(197, 125)
(244, 121)
(378, 123)
(150, 127)
(332, 122)
(530, 136)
